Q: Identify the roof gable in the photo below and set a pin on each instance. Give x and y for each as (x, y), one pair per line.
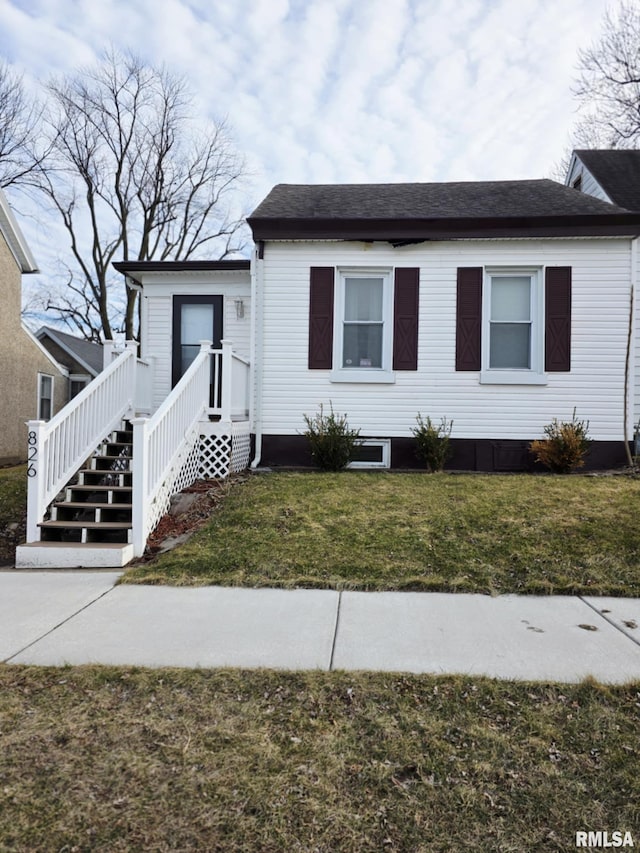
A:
(86, 353)
(14, 237)
(618, 173)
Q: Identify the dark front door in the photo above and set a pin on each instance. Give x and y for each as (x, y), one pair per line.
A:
(195, 319)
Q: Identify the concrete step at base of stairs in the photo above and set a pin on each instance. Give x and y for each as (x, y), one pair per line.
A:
(71, 555)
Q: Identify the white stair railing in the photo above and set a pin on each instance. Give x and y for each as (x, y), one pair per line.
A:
(163, 443)
(57, 448)
(230, 383)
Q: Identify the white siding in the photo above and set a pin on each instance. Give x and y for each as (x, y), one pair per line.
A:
(600, 298)
(590, 185)
(157, 315)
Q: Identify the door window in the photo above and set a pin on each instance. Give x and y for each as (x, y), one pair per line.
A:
(195, 319)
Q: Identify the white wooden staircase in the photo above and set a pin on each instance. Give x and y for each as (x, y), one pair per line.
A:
(97, 507)
(102, 471)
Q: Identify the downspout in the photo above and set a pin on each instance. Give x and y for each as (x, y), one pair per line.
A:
(630, 347)
(257, 346)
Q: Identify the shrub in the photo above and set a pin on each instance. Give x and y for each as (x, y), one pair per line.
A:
(331, 440)
(433, 442)
(565, 446)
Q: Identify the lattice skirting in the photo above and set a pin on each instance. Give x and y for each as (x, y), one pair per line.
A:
(225, 452)
(186, 472)
(216, 454)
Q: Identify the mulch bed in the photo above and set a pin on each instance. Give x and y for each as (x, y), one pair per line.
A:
(210, 494)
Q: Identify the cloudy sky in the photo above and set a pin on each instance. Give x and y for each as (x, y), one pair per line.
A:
(320, 91)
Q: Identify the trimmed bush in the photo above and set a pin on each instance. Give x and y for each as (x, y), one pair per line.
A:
(433, 442)
(565, 446)
(331, 440)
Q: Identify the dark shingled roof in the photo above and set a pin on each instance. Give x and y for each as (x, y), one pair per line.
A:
(78, 348)
(618, 173)
(434, 211)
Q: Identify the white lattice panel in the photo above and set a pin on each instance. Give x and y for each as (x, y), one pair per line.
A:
(215, 456)
(212, 456)
(185, 472)
(240, 447)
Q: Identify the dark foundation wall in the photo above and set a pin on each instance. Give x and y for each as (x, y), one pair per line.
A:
(468, 454)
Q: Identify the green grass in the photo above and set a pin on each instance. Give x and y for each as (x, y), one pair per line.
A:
(13, 507)
(98, 759)
(373, 531)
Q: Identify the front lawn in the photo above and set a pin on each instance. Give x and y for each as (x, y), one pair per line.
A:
(101, 759)
(381, 531)
(13, 509)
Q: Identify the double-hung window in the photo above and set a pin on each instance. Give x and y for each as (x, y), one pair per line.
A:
(45, 397)
(363, 318)
(513, 334)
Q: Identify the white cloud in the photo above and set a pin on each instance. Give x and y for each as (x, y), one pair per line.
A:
(344, 90)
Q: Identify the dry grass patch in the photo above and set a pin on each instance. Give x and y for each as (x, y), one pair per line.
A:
(373, 531)
(112, 760)
(13, 509)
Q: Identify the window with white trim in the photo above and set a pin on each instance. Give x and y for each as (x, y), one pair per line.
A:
(512, 325)
(363, 320)
(45, 397)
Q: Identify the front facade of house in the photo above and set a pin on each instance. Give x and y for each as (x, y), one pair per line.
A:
(32, 383)
(498, 306)
(443, 337)
(500, 323)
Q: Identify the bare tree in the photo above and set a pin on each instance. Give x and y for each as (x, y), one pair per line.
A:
(19, 119)
(609, 84)
(132, 178)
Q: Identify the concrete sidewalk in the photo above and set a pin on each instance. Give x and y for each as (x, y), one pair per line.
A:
(56, 618)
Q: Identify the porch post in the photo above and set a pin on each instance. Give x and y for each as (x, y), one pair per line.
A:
(139, 480)
(36, 472)
(107, 353)
(227, 374)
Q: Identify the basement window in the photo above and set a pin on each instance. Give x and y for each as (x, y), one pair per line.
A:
(372, 453)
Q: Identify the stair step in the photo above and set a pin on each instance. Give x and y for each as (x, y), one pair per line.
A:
(87, 525)
(73, 555)
(91, 505)
(96, 487)
(94, 475)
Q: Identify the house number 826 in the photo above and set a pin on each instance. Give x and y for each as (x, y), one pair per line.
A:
(32, 455)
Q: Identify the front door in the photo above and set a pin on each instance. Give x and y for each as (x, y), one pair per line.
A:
(195, 319)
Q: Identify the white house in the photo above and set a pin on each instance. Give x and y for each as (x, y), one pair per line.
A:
(498, 305)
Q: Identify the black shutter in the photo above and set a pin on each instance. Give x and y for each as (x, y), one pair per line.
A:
(557, 316)
(469, 318)
(321, 318)
(405, 318)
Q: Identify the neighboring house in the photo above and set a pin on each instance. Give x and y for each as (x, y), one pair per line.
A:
(614, 176)
(32, 383)
(82, 359)
(499, 305)
(609, 174)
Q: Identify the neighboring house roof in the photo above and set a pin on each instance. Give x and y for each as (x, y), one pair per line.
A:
(618, 173)
(85, 353)
(15, 239)
(408, 212)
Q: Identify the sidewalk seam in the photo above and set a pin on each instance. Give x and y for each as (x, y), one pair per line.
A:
(59, 625)
(335, 631)
(610, 621)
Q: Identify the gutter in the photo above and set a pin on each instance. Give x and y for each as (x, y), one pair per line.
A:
(630, 353)
(257, 346)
